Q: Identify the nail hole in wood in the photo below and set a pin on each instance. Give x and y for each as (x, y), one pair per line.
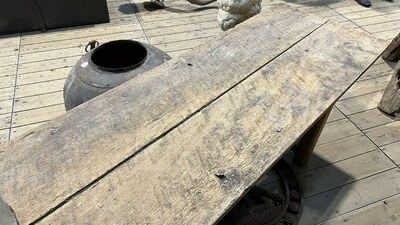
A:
(220, 176)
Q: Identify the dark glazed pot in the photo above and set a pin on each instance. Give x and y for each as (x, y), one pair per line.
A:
(108, 66)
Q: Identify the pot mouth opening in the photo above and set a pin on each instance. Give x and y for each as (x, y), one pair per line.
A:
(118, 56)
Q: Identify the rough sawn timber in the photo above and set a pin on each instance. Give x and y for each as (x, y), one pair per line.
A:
(205, 137)
(48, 165)
(195, 173)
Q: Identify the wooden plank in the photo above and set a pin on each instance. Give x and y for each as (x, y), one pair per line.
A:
(39, 88)
(3, 138)
(187, 44)
(176, 98)
(335, 115)
(5, 121)
(7, 81)
(38, 101)
(43, 76)
(193, 20)
(176, 54)
(370, 118)
(177, 11)
(377, 19)
(387, 35)
(80, 42)
(17, 132)
(5, 106)
(386, 211)
(357, 9)
(370, 13)
(48, 64)
(337, 18)
(392, 150)
(382, 26)
(360, 103)
(337, 130)
(8, 70)
(203, 25)
(338, 150)
(385, 134)
(37, 115)
(353, 196)
(6, 93)
(202, 142)
(9, 51)
(367, 86)
(329, 177)
(51, 54)
(83, 32)
(12, 39)
(178, 37)
(8, 60)
(377, 70)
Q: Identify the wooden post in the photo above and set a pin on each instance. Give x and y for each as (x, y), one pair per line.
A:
(390, 102)
(307, 143)
(392, 52)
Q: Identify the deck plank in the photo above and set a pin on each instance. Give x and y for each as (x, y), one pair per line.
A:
(337, 130)
(339, 201)
(43, 76)
(383, 212)
(38, 101)
(370, 118)
(6, 106)
(7, 81)
(392, 150)
(335, 115)
(384, 134)
(326, 178)
(334, 151)
(37, 115)
(360, 103)
(4, 134)
(367, 86)
(39, 88)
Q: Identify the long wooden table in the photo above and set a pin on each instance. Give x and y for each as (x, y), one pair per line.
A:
(181, 144)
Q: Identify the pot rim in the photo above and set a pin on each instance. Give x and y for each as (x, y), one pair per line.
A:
(120, 69)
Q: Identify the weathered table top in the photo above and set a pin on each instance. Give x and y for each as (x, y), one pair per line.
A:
(183, 142)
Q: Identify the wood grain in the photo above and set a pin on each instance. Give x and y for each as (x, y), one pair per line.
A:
(104, 132)
(384, 212)
(201, 168)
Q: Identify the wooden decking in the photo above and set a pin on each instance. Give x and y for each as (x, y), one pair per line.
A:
(354, 173)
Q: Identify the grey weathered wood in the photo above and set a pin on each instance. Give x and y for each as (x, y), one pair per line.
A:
(195, 173)
(390, 102)
(48, 165)
(392, 52)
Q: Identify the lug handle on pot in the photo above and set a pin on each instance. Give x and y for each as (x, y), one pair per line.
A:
(92, 44)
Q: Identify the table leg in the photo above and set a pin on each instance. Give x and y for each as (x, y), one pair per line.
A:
(307, 143)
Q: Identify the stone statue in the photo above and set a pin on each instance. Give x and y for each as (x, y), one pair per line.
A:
(231, 12)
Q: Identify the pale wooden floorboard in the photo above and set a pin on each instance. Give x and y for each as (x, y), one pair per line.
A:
(385, 134)
(6, 106)
(4, 134)
(357, 151)
(369, 119)
(385, 211)
(352, 196)
(392, 150)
